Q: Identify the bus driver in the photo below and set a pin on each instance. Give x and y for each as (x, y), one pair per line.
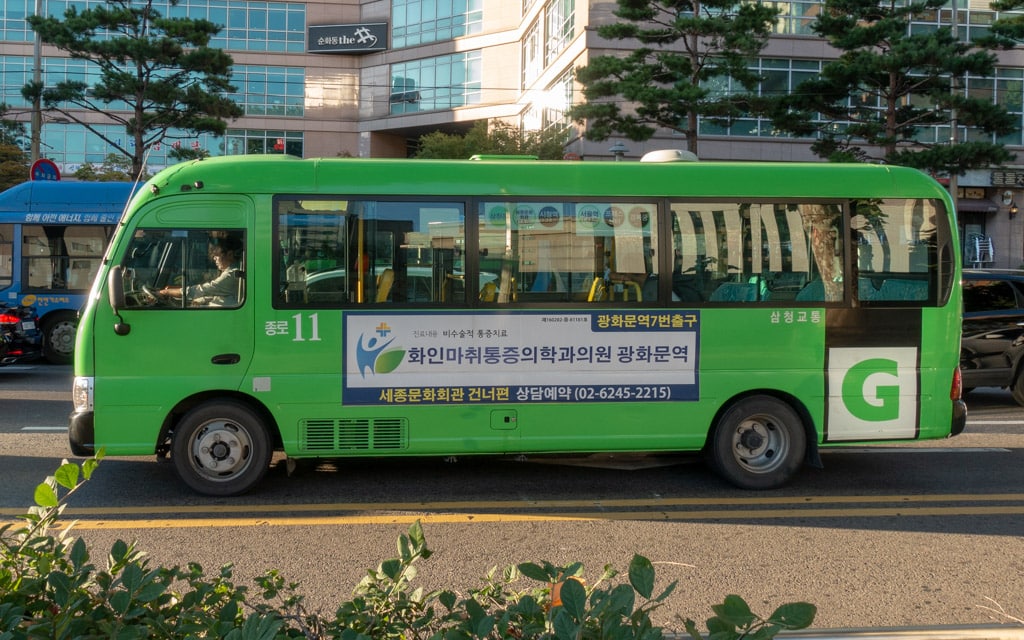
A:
(222, 290)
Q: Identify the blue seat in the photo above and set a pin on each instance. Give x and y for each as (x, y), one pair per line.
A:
(896, 290)
(735, 292)
(813, 291)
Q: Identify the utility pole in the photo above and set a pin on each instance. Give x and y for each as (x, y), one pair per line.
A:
(37, 109)
(954, 87)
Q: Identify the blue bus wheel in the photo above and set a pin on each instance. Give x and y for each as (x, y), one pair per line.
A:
(221, 448)
(759, 443)
(59, 338)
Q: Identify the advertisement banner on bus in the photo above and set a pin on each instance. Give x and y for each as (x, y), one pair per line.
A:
(454, 358)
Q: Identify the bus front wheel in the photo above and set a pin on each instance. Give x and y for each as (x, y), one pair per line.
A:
(221, 448)
(759, 443)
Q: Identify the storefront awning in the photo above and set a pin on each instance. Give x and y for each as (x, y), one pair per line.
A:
(981, 205)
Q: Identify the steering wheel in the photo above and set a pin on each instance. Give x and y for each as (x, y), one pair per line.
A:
(153, 296)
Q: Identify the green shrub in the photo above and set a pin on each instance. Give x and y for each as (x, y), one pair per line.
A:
(51, 588)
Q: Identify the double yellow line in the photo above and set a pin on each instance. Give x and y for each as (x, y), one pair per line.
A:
(471, 512)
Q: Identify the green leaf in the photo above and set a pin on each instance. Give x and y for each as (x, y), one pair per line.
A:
(67, 475)
(61, 585)
(735, 611)
(794, 615)
(482, 628)
(565, 627)
(447, 599)
(667, 592)
(79, 553)
(574, 598)
(392, 568)
(45, 496)
(641, 575)
(88, 467)
(534, 572)
(120, 601)
(621, 600)
(261, 627)
(388, 361)
(691, 628)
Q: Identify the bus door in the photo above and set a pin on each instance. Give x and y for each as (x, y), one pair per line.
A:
(184, 311)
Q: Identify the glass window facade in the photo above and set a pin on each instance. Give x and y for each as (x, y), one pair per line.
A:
(12, 20)
(270, 91)
(415, 22)
(247, 26)
(245, 141)
(444, 82)
(560, 16)
(71, 145)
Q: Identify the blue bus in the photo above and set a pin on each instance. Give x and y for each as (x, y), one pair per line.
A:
(52, 239)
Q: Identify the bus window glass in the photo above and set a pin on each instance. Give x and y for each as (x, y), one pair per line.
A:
(333, 251)
(754, 252)
(60, 257)
(6, 254)
(185, 269)
(896, 244)
(568, 251)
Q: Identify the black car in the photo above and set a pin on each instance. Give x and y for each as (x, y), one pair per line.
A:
(20, 337)
(992, 347)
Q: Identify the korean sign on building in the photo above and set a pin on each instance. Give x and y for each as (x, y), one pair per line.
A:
(348, 38)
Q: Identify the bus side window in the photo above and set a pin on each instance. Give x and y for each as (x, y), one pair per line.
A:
(6, 254)
(567, 252)
(895, 242)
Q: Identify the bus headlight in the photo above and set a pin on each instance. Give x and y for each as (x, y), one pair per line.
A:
(81, 393)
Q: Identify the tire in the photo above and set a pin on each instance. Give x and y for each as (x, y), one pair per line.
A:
(1017, 389)
(221, 448)
(59, 338)
(759, 443)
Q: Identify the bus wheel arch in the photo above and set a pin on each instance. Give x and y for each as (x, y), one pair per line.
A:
(220, 445)
(59, 329)
(760, 440)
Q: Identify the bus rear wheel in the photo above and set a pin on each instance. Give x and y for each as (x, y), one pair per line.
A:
(59, 338)
(759, 443)
(221, 448)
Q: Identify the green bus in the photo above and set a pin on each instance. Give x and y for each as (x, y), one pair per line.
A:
(341, 308)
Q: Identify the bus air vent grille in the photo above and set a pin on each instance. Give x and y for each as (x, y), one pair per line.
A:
(355, 434)
(389, 433)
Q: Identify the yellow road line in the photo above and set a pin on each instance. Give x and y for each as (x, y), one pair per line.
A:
(482, 518)
(531, 504)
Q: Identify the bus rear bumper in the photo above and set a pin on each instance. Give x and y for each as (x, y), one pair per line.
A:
(959, 418)
(81, 434)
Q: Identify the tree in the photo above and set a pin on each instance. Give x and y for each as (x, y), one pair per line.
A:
(115, 168)
(14, 168)
(160, 69)
(689, 50)
(501, 138)
(888, 85)
(1008, 30)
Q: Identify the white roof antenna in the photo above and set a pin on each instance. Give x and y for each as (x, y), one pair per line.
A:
(669, 155)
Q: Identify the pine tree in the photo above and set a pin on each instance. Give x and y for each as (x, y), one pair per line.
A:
(881, 99)
(156, 74)
(687, 49)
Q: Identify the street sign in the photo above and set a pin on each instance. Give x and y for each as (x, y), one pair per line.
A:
(44, 169)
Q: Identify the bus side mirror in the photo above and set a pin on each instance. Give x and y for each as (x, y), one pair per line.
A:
(115, 294)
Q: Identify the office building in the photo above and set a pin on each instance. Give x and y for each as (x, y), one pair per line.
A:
(366, 78)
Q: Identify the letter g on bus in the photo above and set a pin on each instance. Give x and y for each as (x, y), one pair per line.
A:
(871, 390)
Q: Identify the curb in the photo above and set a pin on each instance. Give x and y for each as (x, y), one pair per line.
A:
(953, 632)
